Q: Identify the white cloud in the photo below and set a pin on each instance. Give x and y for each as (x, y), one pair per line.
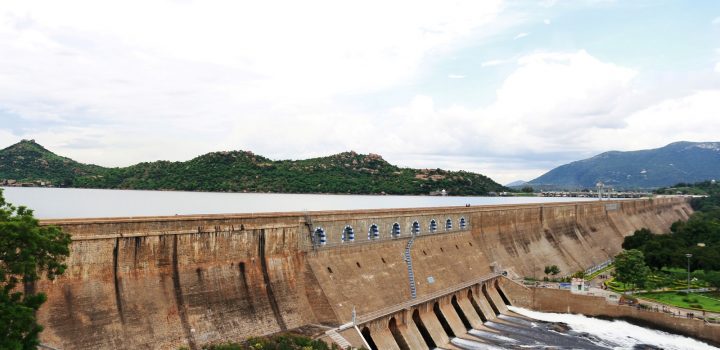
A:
(562, 91)
(570, 105)
(520, 36)
(120, 83)
(492, 63)
(550, 104)
(547, 21)
(198, 70)
(688, 118)
(716, 21)
(717, 67)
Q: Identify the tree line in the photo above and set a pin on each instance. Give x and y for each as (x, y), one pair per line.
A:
(699, 236)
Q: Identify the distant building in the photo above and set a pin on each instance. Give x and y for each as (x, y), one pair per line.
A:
(577, 285)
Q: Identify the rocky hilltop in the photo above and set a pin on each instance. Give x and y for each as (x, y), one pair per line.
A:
(645, 169)
(29, 163)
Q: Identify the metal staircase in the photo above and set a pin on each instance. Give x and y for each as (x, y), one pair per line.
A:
(408, 261)
(309, 224)
(338, 339)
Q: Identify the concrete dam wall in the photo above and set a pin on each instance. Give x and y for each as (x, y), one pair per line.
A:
(166, 282)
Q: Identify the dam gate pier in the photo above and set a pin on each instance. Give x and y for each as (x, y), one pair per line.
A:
(430, 321)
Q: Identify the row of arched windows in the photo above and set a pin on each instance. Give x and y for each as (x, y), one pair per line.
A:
(348, 233)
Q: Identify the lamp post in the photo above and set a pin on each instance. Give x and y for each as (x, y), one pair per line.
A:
(688, 256)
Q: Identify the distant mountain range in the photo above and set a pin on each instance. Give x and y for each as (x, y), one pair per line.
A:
(646, 169)
(517, 183)
(29, 163)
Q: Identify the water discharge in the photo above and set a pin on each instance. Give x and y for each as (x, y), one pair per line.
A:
(539, 330)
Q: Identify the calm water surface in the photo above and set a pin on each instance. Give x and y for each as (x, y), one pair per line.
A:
(61, 203)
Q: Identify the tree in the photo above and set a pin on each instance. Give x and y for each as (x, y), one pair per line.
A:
(630, 268)
(552, 270)
(28, 252)
(638, 239)
(713, 278)
(527, 189)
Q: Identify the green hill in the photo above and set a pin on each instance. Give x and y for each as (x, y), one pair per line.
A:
(646, 169)
(239, 171)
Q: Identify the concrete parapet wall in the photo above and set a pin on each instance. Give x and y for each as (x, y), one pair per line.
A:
(165, 282)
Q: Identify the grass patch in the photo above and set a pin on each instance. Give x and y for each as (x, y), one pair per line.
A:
(680, 299)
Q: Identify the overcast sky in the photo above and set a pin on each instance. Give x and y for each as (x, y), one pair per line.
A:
(508, 89)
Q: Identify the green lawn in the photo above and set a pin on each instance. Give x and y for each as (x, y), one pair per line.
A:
(596, 273)
(693, 301)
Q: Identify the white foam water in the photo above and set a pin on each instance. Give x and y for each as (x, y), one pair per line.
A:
(621, 333)
(473, 345)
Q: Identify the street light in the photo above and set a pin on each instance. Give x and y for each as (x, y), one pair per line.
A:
(688, 256)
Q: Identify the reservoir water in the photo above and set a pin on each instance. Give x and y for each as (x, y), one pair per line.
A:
(62, 203)
(540, 330)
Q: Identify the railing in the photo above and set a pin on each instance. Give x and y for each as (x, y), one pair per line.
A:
(395, 308)
(309, 245)
(598, 267)
(312, 245)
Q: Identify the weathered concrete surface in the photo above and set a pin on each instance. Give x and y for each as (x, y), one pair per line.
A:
(452, 319)
(412, 336)
(165, 282)
(469, 312)
(496, 300)
(433, 326)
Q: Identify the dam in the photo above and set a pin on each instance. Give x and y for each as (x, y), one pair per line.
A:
(384, 279)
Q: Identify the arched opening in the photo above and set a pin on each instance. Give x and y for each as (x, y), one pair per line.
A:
(395, 232)
(502, 295)
(415, 228)
(423, 331)
(373, 232)
(448, 224)
(329, 269)
(368, 338)
(443, 322)
(399, 340)
(460, 313)
(489, 299)
(433, 226)
(463, 223)
(348, 234)
(320, 236)
(476, 306)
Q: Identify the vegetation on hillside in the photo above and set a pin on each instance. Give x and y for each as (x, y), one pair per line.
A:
(644, 169)
(28, 252)
(699, 236)
(240, 171)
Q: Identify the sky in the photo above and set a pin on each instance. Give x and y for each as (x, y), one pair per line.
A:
(509, 89)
